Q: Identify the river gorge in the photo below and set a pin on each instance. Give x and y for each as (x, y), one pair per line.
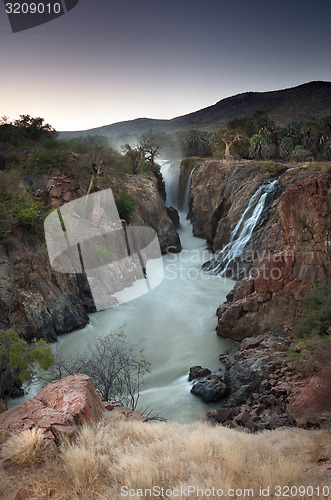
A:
(261, 224)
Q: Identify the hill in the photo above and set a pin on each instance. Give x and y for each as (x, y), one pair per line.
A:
(296, 103)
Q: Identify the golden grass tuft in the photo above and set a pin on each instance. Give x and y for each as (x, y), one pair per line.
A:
(117, 453)
(24, 448)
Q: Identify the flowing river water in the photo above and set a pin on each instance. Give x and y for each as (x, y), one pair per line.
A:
(175, 323)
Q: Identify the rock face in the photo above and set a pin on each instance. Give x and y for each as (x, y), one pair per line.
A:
(218, 196)
(290, 251)
(310, 404)
(151, 211)
(297, 256)
(35, 298)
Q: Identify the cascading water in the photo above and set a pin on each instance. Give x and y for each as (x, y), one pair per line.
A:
(242, 232)
(187, 192)
(175, 324)
(170, 174)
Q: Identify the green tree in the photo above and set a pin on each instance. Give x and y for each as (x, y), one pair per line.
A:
(125, 204)
(19, 360)
(258, 142)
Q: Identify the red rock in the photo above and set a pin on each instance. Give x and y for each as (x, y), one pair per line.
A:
(67, 197)
(243, 417)
(56, 192)
(313, 402)
(283, 278)
(277, 421)
(58, 408)
(250, 343)
(222, 415)
(136, 416)
(108, 406)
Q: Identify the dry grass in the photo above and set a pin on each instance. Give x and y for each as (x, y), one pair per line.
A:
(24, 448)
(116, 453)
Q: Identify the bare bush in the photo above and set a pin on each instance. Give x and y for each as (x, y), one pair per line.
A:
(115, 366)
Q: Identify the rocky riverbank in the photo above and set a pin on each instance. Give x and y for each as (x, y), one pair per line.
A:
(289, 252)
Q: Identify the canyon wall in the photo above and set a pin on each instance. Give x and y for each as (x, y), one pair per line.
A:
(42, 303)
(288, 252)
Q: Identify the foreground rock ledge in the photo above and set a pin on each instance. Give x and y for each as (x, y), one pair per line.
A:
(59, 409)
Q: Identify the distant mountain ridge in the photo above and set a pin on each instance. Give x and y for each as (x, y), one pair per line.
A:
(291, 104)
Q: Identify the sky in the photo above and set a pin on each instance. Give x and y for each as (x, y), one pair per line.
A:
(107, 61)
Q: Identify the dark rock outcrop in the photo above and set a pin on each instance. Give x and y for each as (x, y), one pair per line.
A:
(151, 211)
(34, 298)
(211, 389)
(197, 372)
(174, 216)
(266, 392)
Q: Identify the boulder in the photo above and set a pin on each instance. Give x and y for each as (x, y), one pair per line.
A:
(222, 415)
(58, 409)
(210, 390)
(197, 372)
(244, 378)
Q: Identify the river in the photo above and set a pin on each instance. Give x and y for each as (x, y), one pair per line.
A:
(175, 323)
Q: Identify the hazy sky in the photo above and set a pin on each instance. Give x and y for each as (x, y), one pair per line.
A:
(107, 61)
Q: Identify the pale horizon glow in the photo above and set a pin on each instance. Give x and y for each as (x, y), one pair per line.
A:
(102, 64)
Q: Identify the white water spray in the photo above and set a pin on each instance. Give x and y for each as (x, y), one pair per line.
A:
(243, 230)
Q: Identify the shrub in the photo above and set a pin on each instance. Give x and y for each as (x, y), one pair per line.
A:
(18, 360)
(44, 160)
(24, 448)
(316, 316)
(125, 204)
(313, 331)
(17, 201)
(31, 214)
(273, 168)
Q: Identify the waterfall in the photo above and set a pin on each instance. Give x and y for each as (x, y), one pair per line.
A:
(170, 174)
(242, 232)
(187, 193)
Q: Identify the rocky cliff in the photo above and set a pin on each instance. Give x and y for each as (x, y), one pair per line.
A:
(42, 303)
(297, 256)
